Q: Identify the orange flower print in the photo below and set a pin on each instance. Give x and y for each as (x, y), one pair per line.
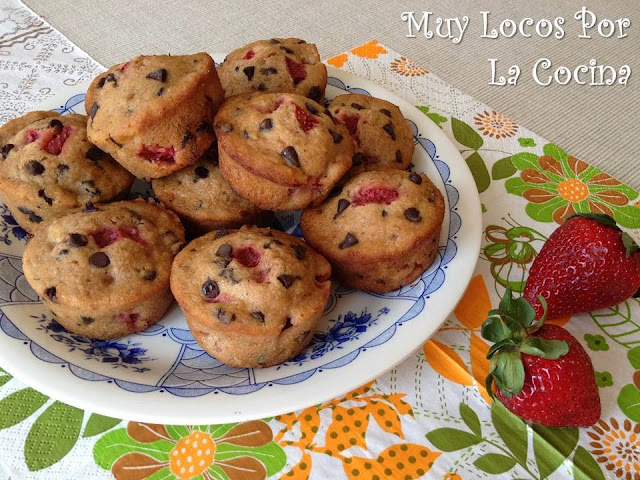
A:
(209, 452)
(617, 447)
(495, 125)
(407, 67)
(558, 185)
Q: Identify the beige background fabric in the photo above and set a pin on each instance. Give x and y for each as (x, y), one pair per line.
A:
(599, 124)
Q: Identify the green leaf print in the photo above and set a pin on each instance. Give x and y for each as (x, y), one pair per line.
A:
(19, 406)
(52, 436)
(585, 467)
(503, 168)
(4, 377)
(271, 455)
(634, 357)
(526, 142)
(465, 134)
(511, 429)
(98, 424)
(495, 463)
(116, 443)
(556, 153)
(552, 446)
(452, 439)
(470, 419)
(435, 118)
(629, 402)
(478, 168)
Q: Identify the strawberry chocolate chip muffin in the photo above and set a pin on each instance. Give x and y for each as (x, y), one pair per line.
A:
(253, 297)
(383, 136)
(103, 270)
(381, 231)
(287, 65)
(281, 151)
(204, 200)
(48, 166)
(153, 114)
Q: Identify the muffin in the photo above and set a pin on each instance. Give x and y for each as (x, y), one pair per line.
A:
(48, 166)
(153, 114)
(286, 65)
(380, 232)
(253, 297)
(204, 200)
(281, 151)
(383, 136)
(103, 270)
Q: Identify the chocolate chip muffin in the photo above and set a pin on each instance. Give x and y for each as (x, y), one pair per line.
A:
(383, 136)
(253, 297)
(287, 65)
(104, 270)
(48, 166)
(204, 200)
(153, 114)
(381, 231)
(281, 151)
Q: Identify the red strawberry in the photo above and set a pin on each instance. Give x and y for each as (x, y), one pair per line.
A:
(586, 264)
(306, 120)
(296, 70)
(158, 153)
(541, 373)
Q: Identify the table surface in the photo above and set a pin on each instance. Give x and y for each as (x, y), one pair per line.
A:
(595, 123)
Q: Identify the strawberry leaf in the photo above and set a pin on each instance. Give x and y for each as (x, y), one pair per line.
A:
(498, 345)
(494, 330)
(544, 348)
(509, 372)
(629, 244)
(524, 312)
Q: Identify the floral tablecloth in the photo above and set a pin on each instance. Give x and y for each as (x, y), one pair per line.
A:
(429, 417)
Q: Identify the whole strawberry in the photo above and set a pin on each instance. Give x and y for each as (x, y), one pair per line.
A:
(586, 264)
(541, 373)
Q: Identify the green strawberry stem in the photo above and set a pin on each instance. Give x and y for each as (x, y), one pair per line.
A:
(511, 327)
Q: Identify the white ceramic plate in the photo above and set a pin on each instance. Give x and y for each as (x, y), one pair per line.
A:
(162, 376)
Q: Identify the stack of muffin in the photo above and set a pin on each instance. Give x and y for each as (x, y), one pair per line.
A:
(219, 165)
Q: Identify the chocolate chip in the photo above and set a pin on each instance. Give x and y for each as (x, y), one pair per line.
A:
(113, 141)
(51, 294)
(412, 214)
(357, 106)
(99, 259)
(343, 203)
(230, 275)
(94, 110)
(87, 320)
(398, 156)
(224, 127)
(223, 262)
(245, 134)
(286, 280)
(205, 127)
(221, 233)
(89, 188)
(269, 71)
(237, 69)
(43, 195)
(94, 153)
(187, 137)
(63, 252)
(34, 167)
(300, 251)
(389, 129)
(384, 213)
(223, 316)
(62, 168)
(249, 71)
(33, 217)
(149, 275)
(262, 87)
(290, 156)
(112, 78)
(315, 94)
(201, 172)
(57, 124)
(89, 208)
(313, 110)
(160, 92)
(258, 316)
(159, 75)
(386, 112)
(266, 125)
(210, 289)
(335, 191)
(415, 178)
(274, 41)
(287, 50)
(288, 324)
(4, 151)
(328, 114)
(225, 251)
(349, 241)
(101, 82)
(357, 159)
(337, 138)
